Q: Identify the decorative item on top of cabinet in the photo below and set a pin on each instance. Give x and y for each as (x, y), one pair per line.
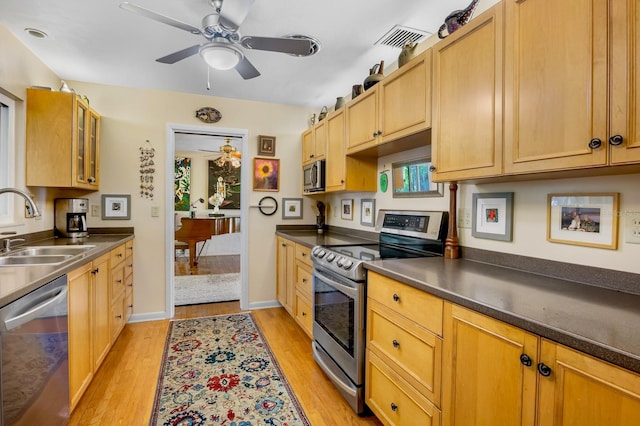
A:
(376, 74)
(356, 90)
(323, 113)
(62, 141)
(340, 101)
(147, 170)
(457, 19)
(408, 53)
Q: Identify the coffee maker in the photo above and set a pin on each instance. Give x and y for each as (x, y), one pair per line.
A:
(71, 217)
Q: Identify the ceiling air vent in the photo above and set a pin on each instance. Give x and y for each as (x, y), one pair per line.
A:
(398, 36)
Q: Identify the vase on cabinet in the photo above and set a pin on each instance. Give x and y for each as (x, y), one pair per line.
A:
(375, 75)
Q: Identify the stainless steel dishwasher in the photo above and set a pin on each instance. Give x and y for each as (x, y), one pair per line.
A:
(34, 373)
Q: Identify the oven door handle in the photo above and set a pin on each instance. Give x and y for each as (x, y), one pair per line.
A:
(335, 379)
(349, 291)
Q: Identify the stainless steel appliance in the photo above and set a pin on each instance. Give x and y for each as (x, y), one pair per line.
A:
(313, 175)
(35, 369)
(71, 217)
(339, 292)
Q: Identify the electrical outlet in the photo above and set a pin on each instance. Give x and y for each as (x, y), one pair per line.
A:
(464, 218)
(95, 210)
(632, 227)
(155, 211)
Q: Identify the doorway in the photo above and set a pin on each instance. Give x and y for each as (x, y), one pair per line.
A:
(216, 260)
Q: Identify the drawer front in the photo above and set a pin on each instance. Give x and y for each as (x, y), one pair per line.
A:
(392, 400)
(128, 303)
(304, 279)
(417, 305)
(128, 266)
(304, 315)
(117, 255)
(117, 316)
(413, 352)
(303, 254)
(129, 248)
(117, 282)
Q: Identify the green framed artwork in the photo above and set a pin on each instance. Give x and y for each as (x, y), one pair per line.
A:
(182, 184)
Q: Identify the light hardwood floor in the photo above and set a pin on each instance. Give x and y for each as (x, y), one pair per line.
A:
(123, 389)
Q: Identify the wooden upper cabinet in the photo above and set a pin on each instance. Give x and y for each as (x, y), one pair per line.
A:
(346, 173)
(62, 141)
(362, 121)
(467, 85)
(625, 79)
(555, 85)
(405, 99)
(314, 143)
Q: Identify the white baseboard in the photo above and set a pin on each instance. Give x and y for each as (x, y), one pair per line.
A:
(151, 316)
(264, 305)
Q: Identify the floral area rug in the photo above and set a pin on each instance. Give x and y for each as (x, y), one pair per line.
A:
(220, 371)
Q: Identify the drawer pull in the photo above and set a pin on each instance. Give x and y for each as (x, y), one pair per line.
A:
(395, 344)
(119, 281)
(304, 280)
(544, 369)
(525, 360)
(119, 316)
(396, 298)
(304, 314)
(394, 407)
(95, 271)
(119, 254)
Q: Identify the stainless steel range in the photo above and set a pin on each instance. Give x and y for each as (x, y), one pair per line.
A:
(339, 292)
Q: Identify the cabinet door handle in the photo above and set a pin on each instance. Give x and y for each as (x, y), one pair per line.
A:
(544, 369)
(396, 298)
(379, 132)
(395, 344)
(119, 281)
(119, 255)
(311, 155)
(304, 280)
(616, 140)
(91, 180)
(525, 360)
(304, 314)
(595, 143)
(374, 134)
(432, 168)
(394, 407)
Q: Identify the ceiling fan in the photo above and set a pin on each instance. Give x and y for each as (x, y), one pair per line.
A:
(220, 29)
(226, 155)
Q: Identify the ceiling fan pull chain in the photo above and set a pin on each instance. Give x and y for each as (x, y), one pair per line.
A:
(208, 78)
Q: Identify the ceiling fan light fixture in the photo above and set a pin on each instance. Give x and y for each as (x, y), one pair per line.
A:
(220, 55)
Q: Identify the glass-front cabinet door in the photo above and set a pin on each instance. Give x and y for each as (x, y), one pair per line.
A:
(81, 138)
(93, 177)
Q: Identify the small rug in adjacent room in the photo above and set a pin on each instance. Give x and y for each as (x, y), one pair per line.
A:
(220, 370)
(196, 289)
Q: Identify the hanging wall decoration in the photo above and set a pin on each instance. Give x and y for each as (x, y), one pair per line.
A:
(182, 184)
(147, 170)
(208, 115)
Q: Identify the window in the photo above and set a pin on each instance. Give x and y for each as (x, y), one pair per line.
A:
(7, 157)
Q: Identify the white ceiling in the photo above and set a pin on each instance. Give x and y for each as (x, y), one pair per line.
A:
(96, 41)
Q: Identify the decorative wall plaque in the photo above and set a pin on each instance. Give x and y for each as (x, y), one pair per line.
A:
(208, 115)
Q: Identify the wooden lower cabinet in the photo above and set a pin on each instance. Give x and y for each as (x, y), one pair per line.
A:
(294, 275)
(585, 391)
(404, 353)
(95, 316)
(485, 381)
(89, 333)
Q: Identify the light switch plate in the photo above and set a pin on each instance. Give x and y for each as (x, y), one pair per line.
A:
(464, 218)
(632, 227)
(95, 210)
(155, 211)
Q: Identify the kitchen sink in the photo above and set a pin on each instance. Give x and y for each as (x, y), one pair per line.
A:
(42, 255)
(51, 250)
(34, 260)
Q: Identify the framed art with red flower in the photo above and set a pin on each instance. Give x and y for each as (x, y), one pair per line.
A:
(266, 174)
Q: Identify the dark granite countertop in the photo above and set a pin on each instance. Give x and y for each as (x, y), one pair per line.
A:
(16, 281)
(310, 237)
(598, 321)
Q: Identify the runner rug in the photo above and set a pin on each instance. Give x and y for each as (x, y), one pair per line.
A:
(220, 371)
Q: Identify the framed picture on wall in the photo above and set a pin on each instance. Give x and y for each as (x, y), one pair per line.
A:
(491, 217)
(292, 208)
(116, 207)
(266, 174)
(583, 219)
(368, 212)
(346, 209)
(267, 145)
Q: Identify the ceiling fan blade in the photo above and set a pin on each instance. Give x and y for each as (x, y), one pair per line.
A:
(246, 69)
(158, 17)
(277, 44)
(179, 55)
(233, 13)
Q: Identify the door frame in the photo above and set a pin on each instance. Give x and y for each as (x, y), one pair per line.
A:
(245, 177)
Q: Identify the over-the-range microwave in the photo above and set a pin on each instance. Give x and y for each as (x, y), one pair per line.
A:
(313, 175)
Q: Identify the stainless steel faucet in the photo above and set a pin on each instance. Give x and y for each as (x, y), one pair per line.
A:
(31, 204)
(7, 243)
